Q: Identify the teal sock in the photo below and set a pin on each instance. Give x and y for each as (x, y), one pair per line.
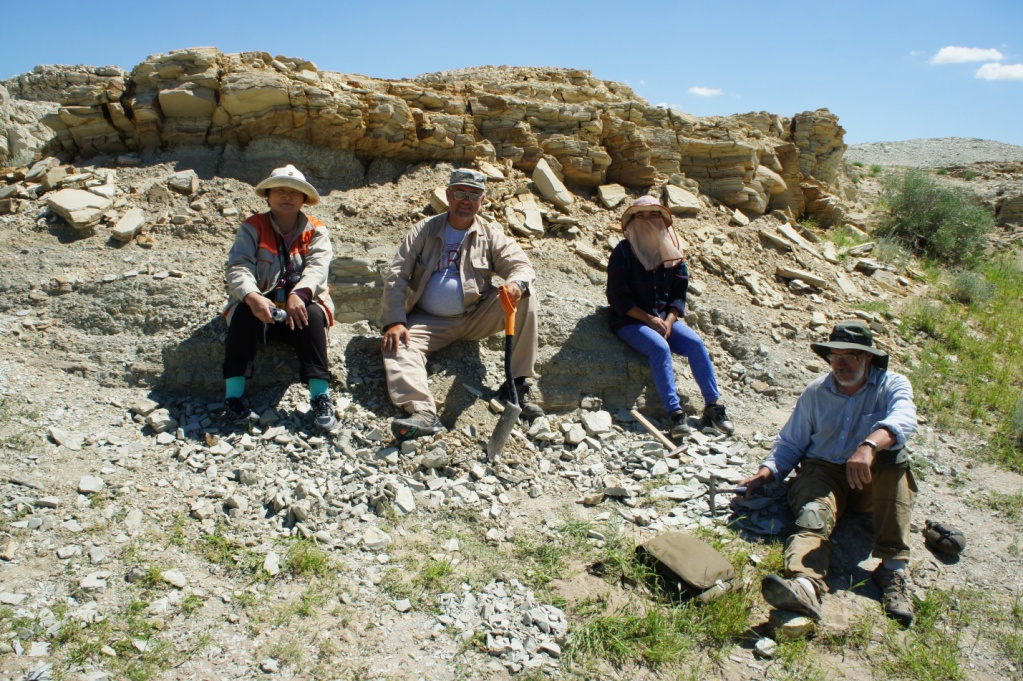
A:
(234, 387)
(317, 387)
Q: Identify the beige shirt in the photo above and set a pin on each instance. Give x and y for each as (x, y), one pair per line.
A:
(486, 252)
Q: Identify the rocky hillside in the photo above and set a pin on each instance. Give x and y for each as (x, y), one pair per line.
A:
(120, 488)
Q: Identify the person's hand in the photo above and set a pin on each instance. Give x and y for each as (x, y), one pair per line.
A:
(659, 325)
(763, 476)
(392, 337)
(857, 468)
(298, 316)
(670, 320)
(514, 292)
(260, 306)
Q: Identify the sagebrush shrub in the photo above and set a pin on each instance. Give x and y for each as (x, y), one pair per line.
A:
(944, 223)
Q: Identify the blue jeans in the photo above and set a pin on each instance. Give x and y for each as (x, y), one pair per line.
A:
(682, 341)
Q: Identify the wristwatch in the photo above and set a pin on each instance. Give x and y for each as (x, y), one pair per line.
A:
(870, 443)
(523, 285)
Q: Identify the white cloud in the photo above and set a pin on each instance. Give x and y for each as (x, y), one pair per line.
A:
(1001, 72)
(705, 91)
(963, 55)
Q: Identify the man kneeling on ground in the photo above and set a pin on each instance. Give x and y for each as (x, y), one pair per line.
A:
(439, 289)
(848, 436)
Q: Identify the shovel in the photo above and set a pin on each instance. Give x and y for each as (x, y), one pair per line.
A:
(510, 416)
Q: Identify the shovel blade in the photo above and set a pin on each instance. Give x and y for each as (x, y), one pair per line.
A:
(502, 431)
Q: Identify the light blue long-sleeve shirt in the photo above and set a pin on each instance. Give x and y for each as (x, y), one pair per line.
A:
(829, 425)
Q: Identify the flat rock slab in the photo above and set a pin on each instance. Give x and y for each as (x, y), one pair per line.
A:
(81, 209)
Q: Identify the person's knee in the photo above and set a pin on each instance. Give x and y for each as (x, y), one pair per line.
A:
(816, 518)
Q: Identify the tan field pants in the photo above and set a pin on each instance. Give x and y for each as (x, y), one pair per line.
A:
(407, 382)
(890, 495)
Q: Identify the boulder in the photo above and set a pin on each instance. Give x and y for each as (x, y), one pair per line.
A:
(679, 201)
(129, 225)
(80, 209)
(612, 194)
(550, 185)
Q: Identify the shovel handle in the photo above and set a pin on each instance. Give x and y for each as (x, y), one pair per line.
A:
(509, 310)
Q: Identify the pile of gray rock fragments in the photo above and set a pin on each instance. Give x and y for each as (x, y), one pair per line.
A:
(278, 478)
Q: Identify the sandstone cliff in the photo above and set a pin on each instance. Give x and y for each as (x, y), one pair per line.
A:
(590, 131)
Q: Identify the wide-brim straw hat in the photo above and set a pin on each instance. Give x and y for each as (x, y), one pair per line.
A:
(645, 203)
(289, 176)
(852, 335)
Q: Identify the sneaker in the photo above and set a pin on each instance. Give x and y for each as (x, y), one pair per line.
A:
(419, 424)
(714, 415)
(895, 594)
(323, 413)
(788, 594)
(678, 424)
(530, 409)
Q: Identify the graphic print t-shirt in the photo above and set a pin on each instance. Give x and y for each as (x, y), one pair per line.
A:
(443, 295)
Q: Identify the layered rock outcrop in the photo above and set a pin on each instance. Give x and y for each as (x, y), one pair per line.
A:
(589, 131)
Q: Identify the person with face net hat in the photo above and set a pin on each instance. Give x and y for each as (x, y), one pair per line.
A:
(647, 282)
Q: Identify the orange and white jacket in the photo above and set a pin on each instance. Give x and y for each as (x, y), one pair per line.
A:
(255, 262)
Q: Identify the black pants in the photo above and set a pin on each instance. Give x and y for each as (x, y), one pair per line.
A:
(246, 333)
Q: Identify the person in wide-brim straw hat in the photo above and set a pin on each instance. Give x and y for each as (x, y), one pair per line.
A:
(847, 440)
(289, 176)
(277, 276)
(647, 282)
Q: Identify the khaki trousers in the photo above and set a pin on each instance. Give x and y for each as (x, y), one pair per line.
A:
(407, 382)
(890, 496)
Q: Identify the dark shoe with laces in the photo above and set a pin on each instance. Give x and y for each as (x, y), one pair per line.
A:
(678, 424)
(419, 424)
(530, 409)
(790, 595)
(898, 604)
(323, 413)
(235, 412)
(715, 415)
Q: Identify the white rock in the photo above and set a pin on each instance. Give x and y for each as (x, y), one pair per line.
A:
(272, 564)
(596, 422)
(550, 185)
(90, 484)
(376, 539)
(175, 578)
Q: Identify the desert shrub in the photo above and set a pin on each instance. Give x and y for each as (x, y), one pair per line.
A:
(858, 164)
(891, 251)
(943, 223)
(876, 170)
(970, 287)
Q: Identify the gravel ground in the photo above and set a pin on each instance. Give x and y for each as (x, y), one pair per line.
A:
(932, 153)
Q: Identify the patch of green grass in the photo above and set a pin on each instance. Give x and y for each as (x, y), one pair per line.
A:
(941, 171)
(191, 605)
(306, 559)
(970, 369)
(1009, 505)
(800, 660)
(876, 170)
(930, 649)
(945, 223)
(858, 164)
(843, 237)
(970, 175)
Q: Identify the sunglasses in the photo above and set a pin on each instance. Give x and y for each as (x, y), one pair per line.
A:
(467, 196)
(855, 357)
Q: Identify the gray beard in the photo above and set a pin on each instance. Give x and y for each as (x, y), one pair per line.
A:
(853, 381)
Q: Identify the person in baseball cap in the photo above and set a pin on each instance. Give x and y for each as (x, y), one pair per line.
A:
(440, 288)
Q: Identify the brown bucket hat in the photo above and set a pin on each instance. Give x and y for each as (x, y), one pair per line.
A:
(852, 335)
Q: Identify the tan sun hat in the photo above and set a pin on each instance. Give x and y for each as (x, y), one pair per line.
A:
(289, 176)
(645, 203)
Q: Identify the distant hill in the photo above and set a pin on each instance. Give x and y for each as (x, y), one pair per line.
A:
(930, 153)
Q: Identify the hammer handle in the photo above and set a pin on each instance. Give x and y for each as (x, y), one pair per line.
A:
(668, 444)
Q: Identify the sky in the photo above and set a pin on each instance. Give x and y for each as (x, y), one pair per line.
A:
(890, 69)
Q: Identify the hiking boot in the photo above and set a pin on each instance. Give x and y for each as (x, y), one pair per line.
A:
(323, 413)
(788, 594)
(530, 409)
(678, 424)
(895, 594)
(419, 424)
(235, 411)
(714, 415)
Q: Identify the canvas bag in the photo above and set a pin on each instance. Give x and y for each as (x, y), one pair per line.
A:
(690, 563)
